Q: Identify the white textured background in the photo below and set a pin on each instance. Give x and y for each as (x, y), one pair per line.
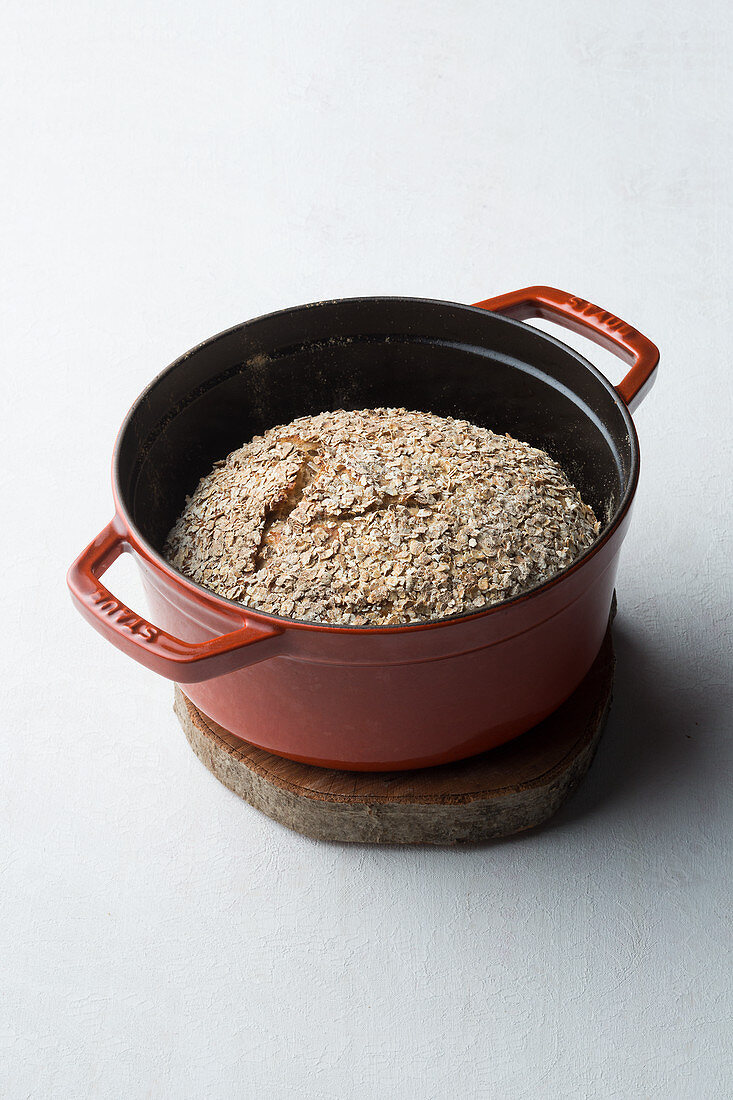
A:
(170, 169)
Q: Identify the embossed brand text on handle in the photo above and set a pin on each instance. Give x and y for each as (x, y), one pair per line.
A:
(123, 616)
(608, 320)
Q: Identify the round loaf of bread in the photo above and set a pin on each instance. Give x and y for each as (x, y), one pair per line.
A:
(379, 517)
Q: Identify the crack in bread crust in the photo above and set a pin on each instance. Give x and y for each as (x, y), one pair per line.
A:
(278, 513)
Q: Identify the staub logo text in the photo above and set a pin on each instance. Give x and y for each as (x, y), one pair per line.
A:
(122, 615)
(615, 324)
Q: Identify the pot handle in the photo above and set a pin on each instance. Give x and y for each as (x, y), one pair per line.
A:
(186, 662)
(597, 324)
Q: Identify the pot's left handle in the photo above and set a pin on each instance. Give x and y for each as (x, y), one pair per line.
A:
(186, 662)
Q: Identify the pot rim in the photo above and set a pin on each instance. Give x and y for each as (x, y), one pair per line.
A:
(145, 549)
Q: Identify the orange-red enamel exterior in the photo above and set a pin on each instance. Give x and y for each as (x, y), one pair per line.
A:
(388, 697)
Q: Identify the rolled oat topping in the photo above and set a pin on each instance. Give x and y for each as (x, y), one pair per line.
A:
(379, 517)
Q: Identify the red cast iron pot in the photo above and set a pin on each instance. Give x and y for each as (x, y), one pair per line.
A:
(386, 697)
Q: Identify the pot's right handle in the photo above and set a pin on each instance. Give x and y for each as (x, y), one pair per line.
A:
(186, 662)
(597, 324)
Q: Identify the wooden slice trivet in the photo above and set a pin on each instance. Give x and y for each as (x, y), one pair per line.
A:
(512, 788)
